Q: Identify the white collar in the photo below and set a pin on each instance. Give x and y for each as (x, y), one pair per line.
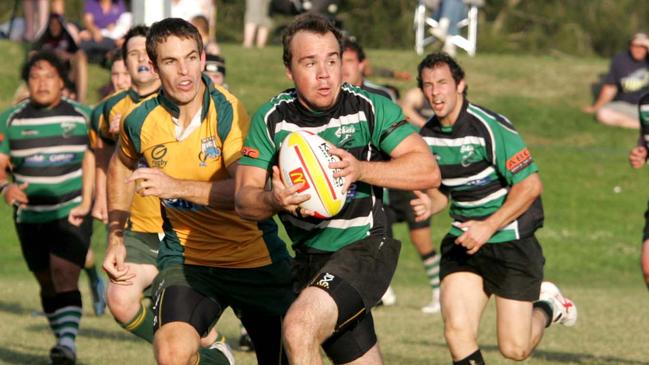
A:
(181, 134)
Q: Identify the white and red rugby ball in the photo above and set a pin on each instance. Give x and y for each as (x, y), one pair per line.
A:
(304, 158)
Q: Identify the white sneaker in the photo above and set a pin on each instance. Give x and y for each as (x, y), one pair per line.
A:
(389, 298)
(434, 306)
(564, 310)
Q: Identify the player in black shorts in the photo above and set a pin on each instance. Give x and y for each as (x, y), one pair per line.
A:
(51, 193)
(493, 187)
(344, 263)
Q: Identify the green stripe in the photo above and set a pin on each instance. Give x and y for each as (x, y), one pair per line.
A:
(224, 114)
(135, 120)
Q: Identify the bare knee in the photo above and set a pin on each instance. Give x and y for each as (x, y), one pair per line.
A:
(455, 330)
(514, 351)
(169, 352)
(122, 304)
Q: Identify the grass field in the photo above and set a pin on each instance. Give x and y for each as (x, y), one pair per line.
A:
(591, 237)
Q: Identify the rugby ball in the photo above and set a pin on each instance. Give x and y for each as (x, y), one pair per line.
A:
(304, 158)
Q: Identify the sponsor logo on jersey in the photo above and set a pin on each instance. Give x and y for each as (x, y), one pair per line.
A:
(345, 130)
(157, 154)
(519, 161)
(68, 128)
(181, 204)
(250, 152)
(28, 132)
(466, 152)
(324, 283)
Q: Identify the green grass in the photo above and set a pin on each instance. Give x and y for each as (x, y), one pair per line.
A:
(591, 237)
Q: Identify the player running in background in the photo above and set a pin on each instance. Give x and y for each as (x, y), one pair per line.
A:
(44, 145)
(492, 183)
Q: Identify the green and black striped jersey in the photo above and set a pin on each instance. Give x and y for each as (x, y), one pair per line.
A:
(480, 158)
(367, 125)
(46, 149)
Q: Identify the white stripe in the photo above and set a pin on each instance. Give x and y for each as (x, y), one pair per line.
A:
(49, 120)
(496, 120)
(67, 319)
(68, 330)
(49, 150)
(349, 119)
(69, 308)
(333, 223)
(48, 179)
(271, 110)
(491, 135)
(465, 180)
(493, 196)
(644, 108)
(48, 208)
(455, 142)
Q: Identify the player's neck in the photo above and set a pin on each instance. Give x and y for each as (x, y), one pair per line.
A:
(187, 111)
(453, 116)
(146, 88)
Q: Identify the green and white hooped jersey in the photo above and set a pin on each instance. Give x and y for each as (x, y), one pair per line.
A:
(480, 158)
(46, 149)
(369, 126)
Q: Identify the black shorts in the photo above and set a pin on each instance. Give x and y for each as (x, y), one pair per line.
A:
(356, 276)
(645, 232)
(398, 209)
(58, 237)
(512, 270)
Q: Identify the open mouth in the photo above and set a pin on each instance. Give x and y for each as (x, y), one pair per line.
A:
(143, 69)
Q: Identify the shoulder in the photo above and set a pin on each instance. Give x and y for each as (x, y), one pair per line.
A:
(81, 109)
(111, 100)
(139, 114)
(278, 105)
(489, 121)
(10, 112)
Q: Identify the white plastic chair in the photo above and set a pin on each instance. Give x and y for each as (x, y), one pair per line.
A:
(424, 24)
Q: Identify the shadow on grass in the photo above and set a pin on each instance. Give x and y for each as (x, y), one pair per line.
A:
(114, 334)
(553, 356)
(9, 356)
(14, 308)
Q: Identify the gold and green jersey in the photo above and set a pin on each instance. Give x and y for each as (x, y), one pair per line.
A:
(46, 147)
(145, 211)
(480, 158)
(199, 234)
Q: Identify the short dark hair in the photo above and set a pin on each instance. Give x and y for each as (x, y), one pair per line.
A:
(437, 59)
(136, 31)
(160, 31)
(48, 57)
(352, 45)
(309, 22)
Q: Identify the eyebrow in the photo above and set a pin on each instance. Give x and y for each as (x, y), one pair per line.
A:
(185, 56)
(311, 57)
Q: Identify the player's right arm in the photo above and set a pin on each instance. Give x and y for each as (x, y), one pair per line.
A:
(120, 195)
(254, 199)
(12, 193)
(254, 202)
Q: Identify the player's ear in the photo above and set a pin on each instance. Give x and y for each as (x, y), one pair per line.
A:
(461, 86)
(289, 75)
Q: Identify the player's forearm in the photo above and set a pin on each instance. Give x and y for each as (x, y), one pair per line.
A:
(120, 195)
(520, 198)
(217, 194)
(411, 171)
(439, 201)
(254, 203)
